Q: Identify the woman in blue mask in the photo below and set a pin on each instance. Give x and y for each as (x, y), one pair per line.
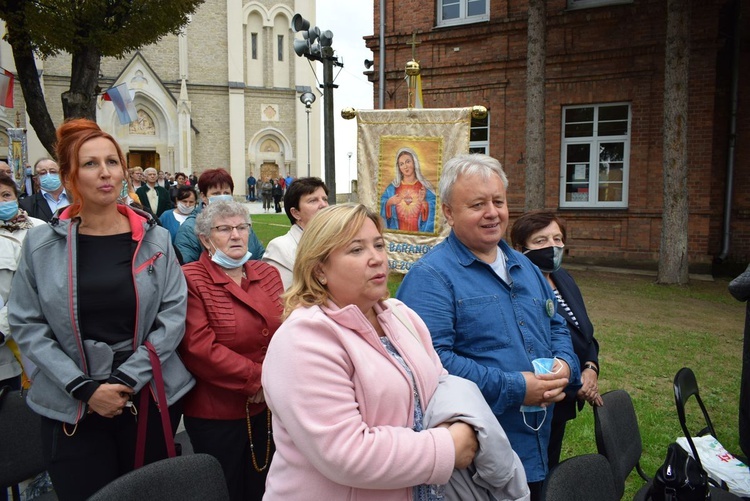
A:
(234, 309)
(540, 235)
(14, 223)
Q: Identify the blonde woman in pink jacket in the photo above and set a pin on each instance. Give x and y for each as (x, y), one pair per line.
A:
(348, 379)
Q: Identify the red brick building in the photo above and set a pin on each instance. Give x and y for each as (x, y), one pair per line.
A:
(604, 111)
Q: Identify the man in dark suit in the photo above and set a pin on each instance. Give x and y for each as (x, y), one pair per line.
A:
(152, 196)
(51, 196)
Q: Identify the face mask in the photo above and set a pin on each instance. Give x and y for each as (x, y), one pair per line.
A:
(8, 210)
(227, 262)
(28, 171)
(184, 209)
(547, 259)
(220, 198)
(541, 366)
(50, 182)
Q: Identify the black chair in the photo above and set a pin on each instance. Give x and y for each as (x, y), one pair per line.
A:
(618, 439)
(197, 477)
(21, 456)
(686, 386)
(581, 478)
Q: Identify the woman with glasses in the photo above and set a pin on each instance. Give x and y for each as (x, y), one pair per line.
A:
(233, 311)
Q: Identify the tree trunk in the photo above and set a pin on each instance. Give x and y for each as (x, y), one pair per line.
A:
(80, 100)
(535, 62)
(673, 253)
(28, 77)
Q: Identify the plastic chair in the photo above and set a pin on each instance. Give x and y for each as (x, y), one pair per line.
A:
(21, 456)
(581, 478)
(686, 386)
(618, 438)
(197, 477)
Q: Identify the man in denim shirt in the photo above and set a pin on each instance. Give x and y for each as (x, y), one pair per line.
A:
(491, 311)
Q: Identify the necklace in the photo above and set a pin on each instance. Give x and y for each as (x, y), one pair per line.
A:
(257, 468)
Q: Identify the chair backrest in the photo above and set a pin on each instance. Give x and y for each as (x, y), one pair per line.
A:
(686, 386)
(581, 478)
(618, 437)
(21, 454)
(196, 477)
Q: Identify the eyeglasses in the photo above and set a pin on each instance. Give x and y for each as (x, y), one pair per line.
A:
(225, 229)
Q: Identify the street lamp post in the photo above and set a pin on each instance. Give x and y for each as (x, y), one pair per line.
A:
(308, 98)
(316, 46)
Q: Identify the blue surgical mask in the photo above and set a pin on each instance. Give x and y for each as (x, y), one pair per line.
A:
(50, 181)
(541, 366)
(8, 210)
(227, 262)
(220, 198)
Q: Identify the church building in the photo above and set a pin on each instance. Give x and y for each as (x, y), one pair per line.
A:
(224, 93)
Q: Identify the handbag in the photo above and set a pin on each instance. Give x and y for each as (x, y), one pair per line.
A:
(680, 478)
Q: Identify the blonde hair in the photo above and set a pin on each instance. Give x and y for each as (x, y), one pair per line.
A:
(330, 229)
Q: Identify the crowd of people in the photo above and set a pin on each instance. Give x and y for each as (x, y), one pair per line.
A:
(289, 364)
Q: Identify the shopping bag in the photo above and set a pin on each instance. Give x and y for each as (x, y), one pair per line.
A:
(720, 464)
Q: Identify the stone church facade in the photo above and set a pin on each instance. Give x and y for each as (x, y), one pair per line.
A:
(224, 93)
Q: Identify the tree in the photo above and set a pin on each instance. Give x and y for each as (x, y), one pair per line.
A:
(88, 30)
(535, 62)
(673, 256)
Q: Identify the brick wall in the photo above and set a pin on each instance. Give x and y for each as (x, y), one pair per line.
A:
(607, 54)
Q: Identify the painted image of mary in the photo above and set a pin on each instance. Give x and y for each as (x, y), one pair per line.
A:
(408, 203)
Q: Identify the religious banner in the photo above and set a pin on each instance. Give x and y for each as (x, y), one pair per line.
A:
(401, 154)
(17, 153)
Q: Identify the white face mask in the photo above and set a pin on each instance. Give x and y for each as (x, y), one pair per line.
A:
(184, 209)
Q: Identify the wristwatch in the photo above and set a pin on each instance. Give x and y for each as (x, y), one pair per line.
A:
(592, 366)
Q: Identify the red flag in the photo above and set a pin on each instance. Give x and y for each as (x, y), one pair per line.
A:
(6, 88)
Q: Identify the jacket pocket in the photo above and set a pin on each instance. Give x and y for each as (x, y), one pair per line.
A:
(481, 324)
(148, 265)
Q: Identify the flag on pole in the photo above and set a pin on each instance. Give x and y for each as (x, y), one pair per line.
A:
(6, 88)
(123, 101)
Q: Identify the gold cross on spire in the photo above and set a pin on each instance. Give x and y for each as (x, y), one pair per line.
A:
(413, 44)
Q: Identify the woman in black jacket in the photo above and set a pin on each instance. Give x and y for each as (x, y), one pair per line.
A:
(540, 235)
(278, 192)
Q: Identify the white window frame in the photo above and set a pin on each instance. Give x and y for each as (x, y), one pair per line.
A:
(587, 4)
(594, 141)
(463, 17)
(484, 145)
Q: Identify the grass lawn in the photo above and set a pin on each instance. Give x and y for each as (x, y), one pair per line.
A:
(646, 333)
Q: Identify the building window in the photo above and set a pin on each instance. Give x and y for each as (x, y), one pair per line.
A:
(479, 136)
(254, 45)
(280, 40)
(595, 156)
(585, 4)
(452, 12)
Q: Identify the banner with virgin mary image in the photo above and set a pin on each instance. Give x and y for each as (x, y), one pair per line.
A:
(401, 155)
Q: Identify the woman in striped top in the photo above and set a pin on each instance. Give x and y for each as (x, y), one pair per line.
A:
(540, 235)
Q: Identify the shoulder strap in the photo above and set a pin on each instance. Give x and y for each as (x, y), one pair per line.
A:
(161, 400)
(403, 319)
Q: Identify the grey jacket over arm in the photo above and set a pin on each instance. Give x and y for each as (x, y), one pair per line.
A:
(497, 472)
(43, 310)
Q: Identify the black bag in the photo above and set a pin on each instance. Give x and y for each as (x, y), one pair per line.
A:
(680, 478)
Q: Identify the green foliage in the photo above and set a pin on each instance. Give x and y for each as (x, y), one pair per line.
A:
(114, 27)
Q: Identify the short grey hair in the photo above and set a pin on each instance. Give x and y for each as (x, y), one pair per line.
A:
(150, 169)
(469, 165)
(218, 210)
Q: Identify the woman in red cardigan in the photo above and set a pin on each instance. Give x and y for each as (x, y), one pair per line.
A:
(233, 310)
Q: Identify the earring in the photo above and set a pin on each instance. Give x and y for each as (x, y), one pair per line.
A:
(323, 280)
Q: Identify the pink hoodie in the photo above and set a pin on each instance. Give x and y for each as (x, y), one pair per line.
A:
(343, 408)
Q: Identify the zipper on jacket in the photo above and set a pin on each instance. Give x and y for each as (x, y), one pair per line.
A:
(73, 315)
(149, 264)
